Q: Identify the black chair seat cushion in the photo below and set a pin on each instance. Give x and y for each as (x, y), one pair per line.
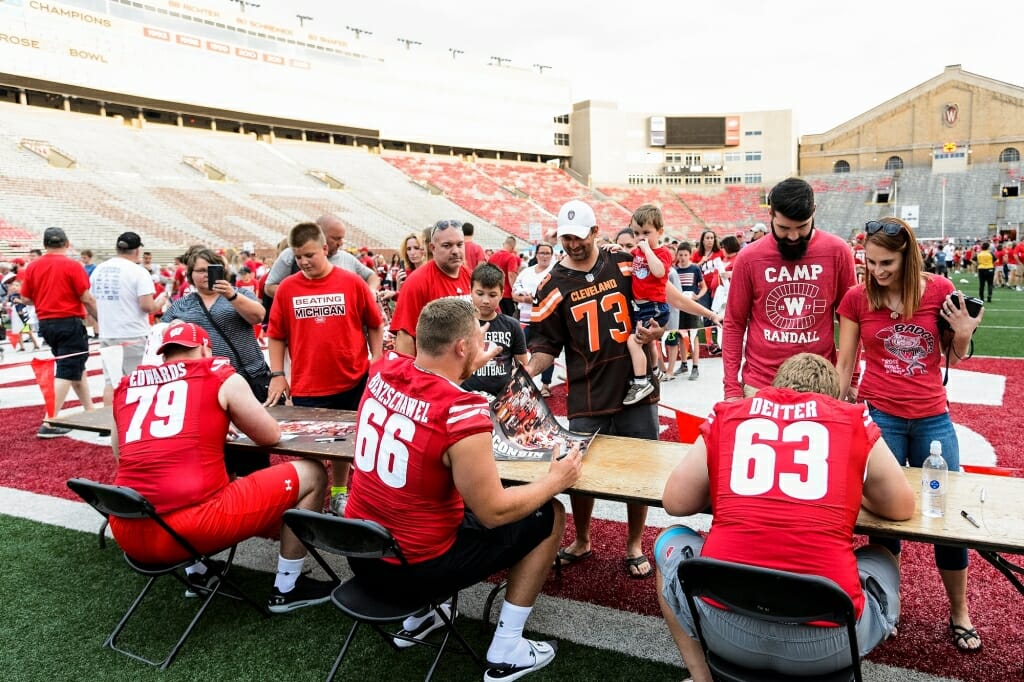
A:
(359, 600)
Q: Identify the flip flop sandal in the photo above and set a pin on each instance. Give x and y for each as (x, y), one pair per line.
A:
(960, 637)
(566, 558)
(637, 562)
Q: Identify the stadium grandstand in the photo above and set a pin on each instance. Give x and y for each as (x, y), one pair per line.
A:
(90, 142)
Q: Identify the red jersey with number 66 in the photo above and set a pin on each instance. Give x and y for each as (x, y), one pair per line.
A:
(786, 472)
(408, 418)
(170, 431)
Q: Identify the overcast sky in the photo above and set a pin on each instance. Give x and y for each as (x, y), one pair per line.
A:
(828, 61)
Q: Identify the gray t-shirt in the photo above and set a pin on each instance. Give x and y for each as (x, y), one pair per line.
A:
(343, 259)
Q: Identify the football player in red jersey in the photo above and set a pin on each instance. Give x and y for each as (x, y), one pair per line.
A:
(424, 469)
(786, 473)
(171, 422)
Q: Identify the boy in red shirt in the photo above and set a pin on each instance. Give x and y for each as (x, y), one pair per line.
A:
(650, 274)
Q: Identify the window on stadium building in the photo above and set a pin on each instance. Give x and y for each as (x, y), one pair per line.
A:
(562, 139)
(732, 157)
(1009, 155)
(841, 167)
(733, 180)
(752, 156)
(564, 118)
(752, 179)
(893, 163)
(692, 180)
(693, 160)
(713, 180)
(752, 133)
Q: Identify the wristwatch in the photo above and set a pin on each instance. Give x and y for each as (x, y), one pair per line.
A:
(233, 296)
(276, 374)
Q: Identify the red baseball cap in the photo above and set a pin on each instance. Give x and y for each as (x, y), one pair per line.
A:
(188, 335)
(860, 237)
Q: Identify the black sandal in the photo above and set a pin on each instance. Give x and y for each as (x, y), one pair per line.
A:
(960, 637)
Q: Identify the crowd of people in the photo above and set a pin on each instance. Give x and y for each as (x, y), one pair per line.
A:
(418, 343)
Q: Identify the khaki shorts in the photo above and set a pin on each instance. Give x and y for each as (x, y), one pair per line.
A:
(133, 349)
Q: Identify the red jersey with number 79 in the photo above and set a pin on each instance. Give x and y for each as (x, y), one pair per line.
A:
(170, 431)
(408, 418)
(786, 471)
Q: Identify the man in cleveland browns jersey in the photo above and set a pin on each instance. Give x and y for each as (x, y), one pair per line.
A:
(786, 472)
(424, 469)
(171, 422)
(582, 307)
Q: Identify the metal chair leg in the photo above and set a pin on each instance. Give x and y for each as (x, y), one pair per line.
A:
(344, 650)
(103, 534)
(489, 604)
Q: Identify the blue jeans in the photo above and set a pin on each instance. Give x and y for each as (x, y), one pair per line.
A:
(910, 440)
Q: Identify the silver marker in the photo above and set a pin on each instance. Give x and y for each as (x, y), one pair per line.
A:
(970, 518)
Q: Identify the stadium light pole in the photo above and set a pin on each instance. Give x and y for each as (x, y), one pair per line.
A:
(409, 43)
(498, 61)
(359, 31)
(455, 52)
(540, 67)
(303, 19)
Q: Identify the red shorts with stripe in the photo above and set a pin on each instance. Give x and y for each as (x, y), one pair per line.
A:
(248, 506)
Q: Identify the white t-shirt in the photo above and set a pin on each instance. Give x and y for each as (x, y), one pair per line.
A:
(527, 282)
(117, 285)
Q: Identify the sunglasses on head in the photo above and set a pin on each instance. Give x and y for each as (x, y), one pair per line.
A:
(891, 229)
(444, 225)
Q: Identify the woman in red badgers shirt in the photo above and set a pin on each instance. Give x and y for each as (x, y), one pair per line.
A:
(709, 257)
(895, 315)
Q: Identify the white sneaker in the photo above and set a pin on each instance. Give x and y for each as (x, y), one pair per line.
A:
(541, 653)
(428, 625)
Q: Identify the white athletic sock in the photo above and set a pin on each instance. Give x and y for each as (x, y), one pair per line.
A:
(508, 645)
(413, 622)
(288, 571)
(641, 381)
(198, 568)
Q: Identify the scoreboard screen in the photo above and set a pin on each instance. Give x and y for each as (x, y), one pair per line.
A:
(695, 131)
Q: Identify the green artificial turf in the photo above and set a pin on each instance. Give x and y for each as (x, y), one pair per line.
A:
(63, 595)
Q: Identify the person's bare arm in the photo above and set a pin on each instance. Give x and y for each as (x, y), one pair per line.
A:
(476, 478)
(846, 360)
(886, 490)
(278, 384)
(522, 358)
(90, 304)
(246, 413)
(676, 299)
(375, 341)
(538, 363)
(373, 281)
(405, 343)
(688, 490)
(152, 305)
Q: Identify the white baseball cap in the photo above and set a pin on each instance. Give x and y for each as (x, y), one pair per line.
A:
(575, 219)
(759, 227)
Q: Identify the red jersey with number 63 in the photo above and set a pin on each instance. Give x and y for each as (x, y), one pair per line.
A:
(408, 418)
(786, 472)
(170, 431)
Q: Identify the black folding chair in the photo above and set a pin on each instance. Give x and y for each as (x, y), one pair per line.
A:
(125, 503)
(357, 599)
(773, 596)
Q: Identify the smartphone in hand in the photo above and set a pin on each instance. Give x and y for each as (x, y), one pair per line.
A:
(214, 273)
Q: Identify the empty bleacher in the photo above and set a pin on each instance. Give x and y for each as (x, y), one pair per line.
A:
(680, 220)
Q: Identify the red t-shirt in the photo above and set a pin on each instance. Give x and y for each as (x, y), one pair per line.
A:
(647, 287)
(786, 472)
(710, 265)
(474, 256)
(322, 321)
(783, 307)
(179, 281)
(903, 374)
(509, 263)
(425, 284)
(170, 431)
(55, 284)
(407, 420)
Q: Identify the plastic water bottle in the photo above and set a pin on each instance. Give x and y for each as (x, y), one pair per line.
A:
(934, 475)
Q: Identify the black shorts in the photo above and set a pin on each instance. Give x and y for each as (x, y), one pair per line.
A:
(634, 421)
(67, 336)
(346, 400)
(478, 552)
